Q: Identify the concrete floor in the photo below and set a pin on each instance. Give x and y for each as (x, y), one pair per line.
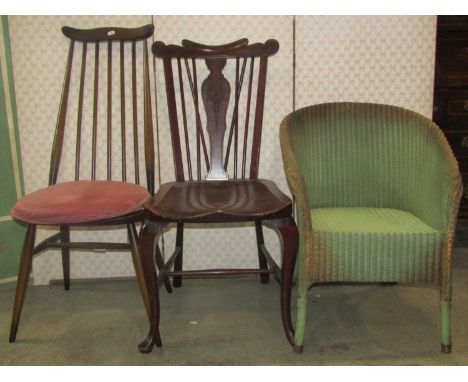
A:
(234, 322)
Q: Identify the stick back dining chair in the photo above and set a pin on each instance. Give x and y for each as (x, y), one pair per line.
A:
(377, 190)
(88, 200)
(206, 147)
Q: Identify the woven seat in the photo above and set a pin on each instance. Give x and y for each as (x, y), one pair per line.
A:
(393, 237)
(80, 202)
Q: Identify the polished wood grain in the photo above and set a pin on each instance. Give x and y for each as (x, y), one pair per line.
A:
(213, 186)
(218, 201)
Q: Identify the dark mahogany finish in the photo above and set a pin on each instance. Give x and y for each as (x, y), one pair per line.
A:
(215, 99)
(218, 201)
(131, 45)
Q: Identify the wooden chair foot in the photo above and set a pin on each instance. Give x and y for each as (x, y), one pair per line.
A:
(177, 282)
(149, 343)
(447, 349)
(23, 277)
(264, 279)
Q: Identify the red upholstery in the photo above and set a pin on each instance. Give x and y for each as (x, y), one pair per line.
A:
(79, 202)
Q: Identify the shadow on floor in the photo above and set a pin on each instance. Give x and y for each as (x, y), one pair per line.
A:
(234, 322)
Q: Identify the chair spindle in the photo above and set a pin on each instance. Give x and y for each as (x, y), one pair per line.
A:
(80, 111)
(135, 116)
(148, 123)
(58, 140)
(95, 111)
(109, 110)
(184, 119)
(257, 132)
(247, 116)
(122, 110)
(235, 118)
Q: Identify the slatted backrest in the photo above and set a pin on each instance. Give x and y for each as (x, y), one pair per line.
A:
(110, 66)
(227, 136)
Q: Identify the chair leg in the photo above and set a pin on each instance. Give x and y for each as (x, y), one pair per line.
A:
(301, 315)
(65, 231)
(161, 266)
(262, 261)
(177, 280)
(289, 236)
(23, 277)
(133, 239)
(149, 236)
(446, 324)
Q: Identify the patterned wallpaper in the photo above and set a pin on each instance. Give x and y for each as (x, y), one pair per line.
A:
(383, 59)
(370, 58)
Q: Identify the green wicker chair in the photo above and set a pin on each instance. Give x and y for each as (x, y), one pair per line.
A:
(377, 189)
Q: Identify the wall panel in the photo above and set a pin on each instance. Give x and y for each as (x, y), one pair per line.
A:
(382, 59)
(339, 58)
(11, 177)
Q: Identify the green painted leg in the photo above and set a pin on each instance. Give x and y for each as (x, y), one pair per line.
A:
(446, 325)
(301, 314)
(296, 272)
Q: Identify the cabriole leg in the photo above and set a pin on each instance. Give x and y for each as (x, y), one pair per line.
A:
(149, 236)
(133, 239)
(289, 236)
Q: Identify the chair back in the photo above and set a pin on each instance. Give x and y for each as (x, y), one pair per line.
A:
(232, 91)
(106, 94)
(371, 155)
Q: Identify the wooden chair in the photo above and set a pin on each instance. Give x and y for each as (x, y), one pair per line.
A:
(215, 198)
(377, 189)
(94, 202)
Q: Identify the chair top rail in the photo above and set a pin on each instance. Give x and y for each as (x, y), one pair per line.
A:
(239, 48)
(108, 33)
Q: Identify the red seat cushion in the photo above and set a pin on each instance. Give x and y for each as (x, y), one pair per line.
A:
(80, 202)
